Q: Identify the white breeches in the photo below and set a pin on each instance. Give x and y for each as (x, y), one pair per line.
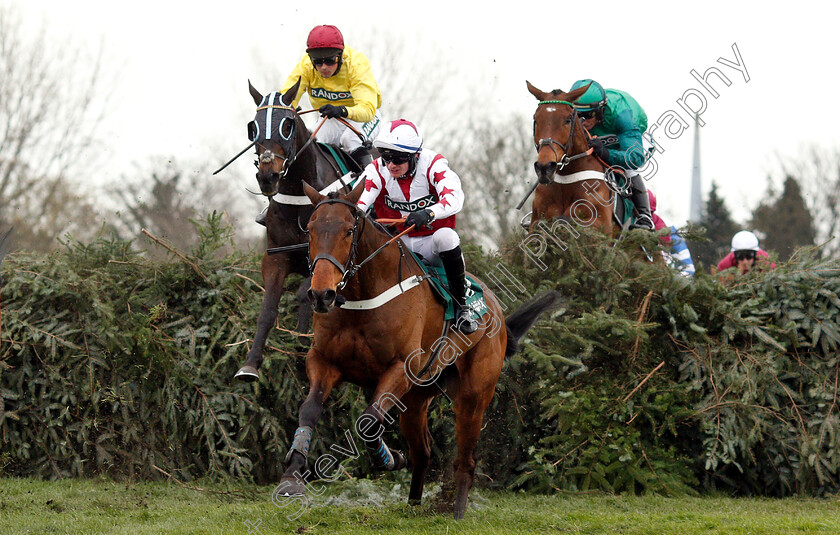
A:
(334, 132)
(429, 247)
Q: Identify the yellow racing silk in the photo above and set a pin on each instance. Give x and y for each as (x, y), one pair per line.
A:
(352, 86)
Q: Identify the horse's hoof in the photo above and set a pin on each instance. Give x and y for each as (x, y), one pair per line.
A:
(290, 487)
(400, 460)
(247, 374)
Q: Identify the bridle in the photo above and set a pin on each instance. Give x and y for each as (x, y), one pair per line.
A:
(268, 155)
(550, 142)
(350, 268)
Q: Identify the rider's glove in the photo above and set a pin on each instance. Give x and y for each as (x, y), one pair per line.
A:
(419, 218)
(599, 149)
(333, 112)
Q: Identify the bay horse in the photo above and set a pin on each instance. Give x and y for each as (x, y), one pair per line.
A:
(287, 159)
(572, 183)
(384, 331)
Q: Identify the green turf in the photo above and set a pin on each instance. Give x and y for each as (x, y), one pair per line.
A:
(100, 506)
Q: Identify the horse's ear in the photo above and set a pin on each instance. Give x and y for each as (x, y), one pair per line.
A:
(354, 195)
(289, 96)
(541, 95)
(255, 94)
(576, 94)
(314, 195)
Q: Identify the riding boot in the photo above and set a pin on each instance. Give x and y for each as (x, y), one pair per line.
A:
(639, 196)
(453, 265)
(261, 216)
(362, 157)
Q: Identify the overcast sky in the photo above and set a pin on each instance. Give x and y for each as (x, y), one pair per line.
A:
(184, 68)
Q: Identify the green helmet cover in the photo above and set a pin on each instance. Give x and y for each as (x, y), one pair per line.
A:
(595, 97)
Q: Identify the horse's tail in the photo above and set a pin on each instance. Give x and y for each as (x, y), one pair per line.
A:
(518, 323)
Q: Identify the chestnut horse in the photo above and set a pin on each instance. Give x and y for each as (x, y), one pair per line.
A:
(385, 330)
(286, 160)
(572, 183)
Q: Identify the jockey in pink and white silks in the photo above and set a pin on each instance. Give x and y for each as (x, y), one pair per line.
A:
(416, 183)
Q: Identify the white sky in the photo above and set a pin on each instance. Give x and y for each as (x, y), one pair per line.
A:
(184, 66)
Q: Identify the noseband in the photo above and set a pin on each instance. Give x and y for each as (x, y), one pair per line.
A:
(550, 142)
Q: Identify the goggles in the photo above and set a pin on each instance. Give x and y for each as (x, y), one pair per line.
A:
(744, 255)
(395, 157)
(324, 61)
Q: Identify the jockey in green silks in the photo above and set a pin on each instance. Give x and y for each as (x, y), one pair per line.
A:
(612, 112)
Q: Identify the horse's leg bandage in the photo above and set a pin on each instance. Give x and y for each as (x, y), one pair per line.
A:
(303, 436)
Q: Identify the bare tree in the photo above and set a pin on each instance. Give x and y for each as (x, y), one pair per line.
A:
(495, 166)
(163, 197)
(51, 105)
(817, 170)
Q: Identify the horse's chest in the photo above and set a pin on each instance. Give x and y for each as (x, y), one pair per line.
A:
(361, 350)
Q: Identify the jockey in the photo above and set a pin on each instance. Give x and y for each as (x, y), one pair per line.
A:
(613, 112)
(409, 180)
(340, 83)
(680, 256)
(744, 254)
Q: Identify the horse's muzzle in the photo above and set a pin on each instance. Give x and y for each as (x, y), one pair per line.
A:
(322, 300)
(269, 182)
(545, 171)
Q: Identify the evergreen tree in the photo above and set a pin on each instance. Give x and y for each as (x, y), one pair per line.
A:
(719, 229)
(785, 222)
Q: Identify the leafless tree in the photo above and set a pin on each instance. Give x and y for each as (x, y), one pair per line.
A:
(51, 104)
(817, 170)
(162, 197)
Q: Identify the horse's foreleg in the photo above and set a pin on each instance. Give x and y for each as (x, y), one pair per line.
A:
(322, 379)
(304, 310)
(415, 429)
(274, 271)
(391, 387)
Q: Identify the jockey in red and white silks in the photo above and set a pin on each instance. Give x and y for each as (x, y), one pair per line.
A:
(416, 183)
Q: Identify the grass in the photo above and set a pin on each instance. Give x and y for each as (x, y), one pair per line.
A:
(361, 506)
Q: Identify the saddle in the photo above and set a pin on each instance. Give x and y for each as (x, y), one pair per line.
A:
(343, 162)
(440, 284)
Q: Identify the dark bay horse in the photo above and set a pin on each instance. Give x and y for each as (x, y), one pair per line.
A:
(379, 325)
(286, 160)
(572, 183)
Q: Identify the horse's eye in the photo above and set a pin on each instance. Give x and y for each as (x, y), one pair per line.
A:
(568, 120)
(349, 233)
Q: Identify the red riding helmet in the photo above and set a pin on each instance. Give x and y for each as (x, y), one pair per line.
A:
(324, 36)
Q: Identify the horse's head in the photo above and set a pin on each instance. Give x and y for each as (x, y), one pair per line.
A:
(557, 128)
(276, 131)
(334, 231)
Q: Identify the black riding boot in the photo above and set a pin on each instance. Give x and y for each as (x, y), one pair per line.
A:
(362, 157)
(453, 265)
(639, 196)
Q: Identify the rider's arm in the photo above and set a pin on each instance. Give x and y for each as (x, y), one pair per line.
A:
(630, 154)
(363, 87)
(448, 186)
(302, 71)
(374, 185)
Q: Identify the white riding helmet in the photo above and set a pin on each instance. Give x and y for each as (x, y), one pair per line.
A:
(401, 136)
(744, 241)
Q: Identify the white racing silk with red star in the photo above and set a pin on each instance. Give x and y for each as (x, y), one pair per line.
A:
(434, 186)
